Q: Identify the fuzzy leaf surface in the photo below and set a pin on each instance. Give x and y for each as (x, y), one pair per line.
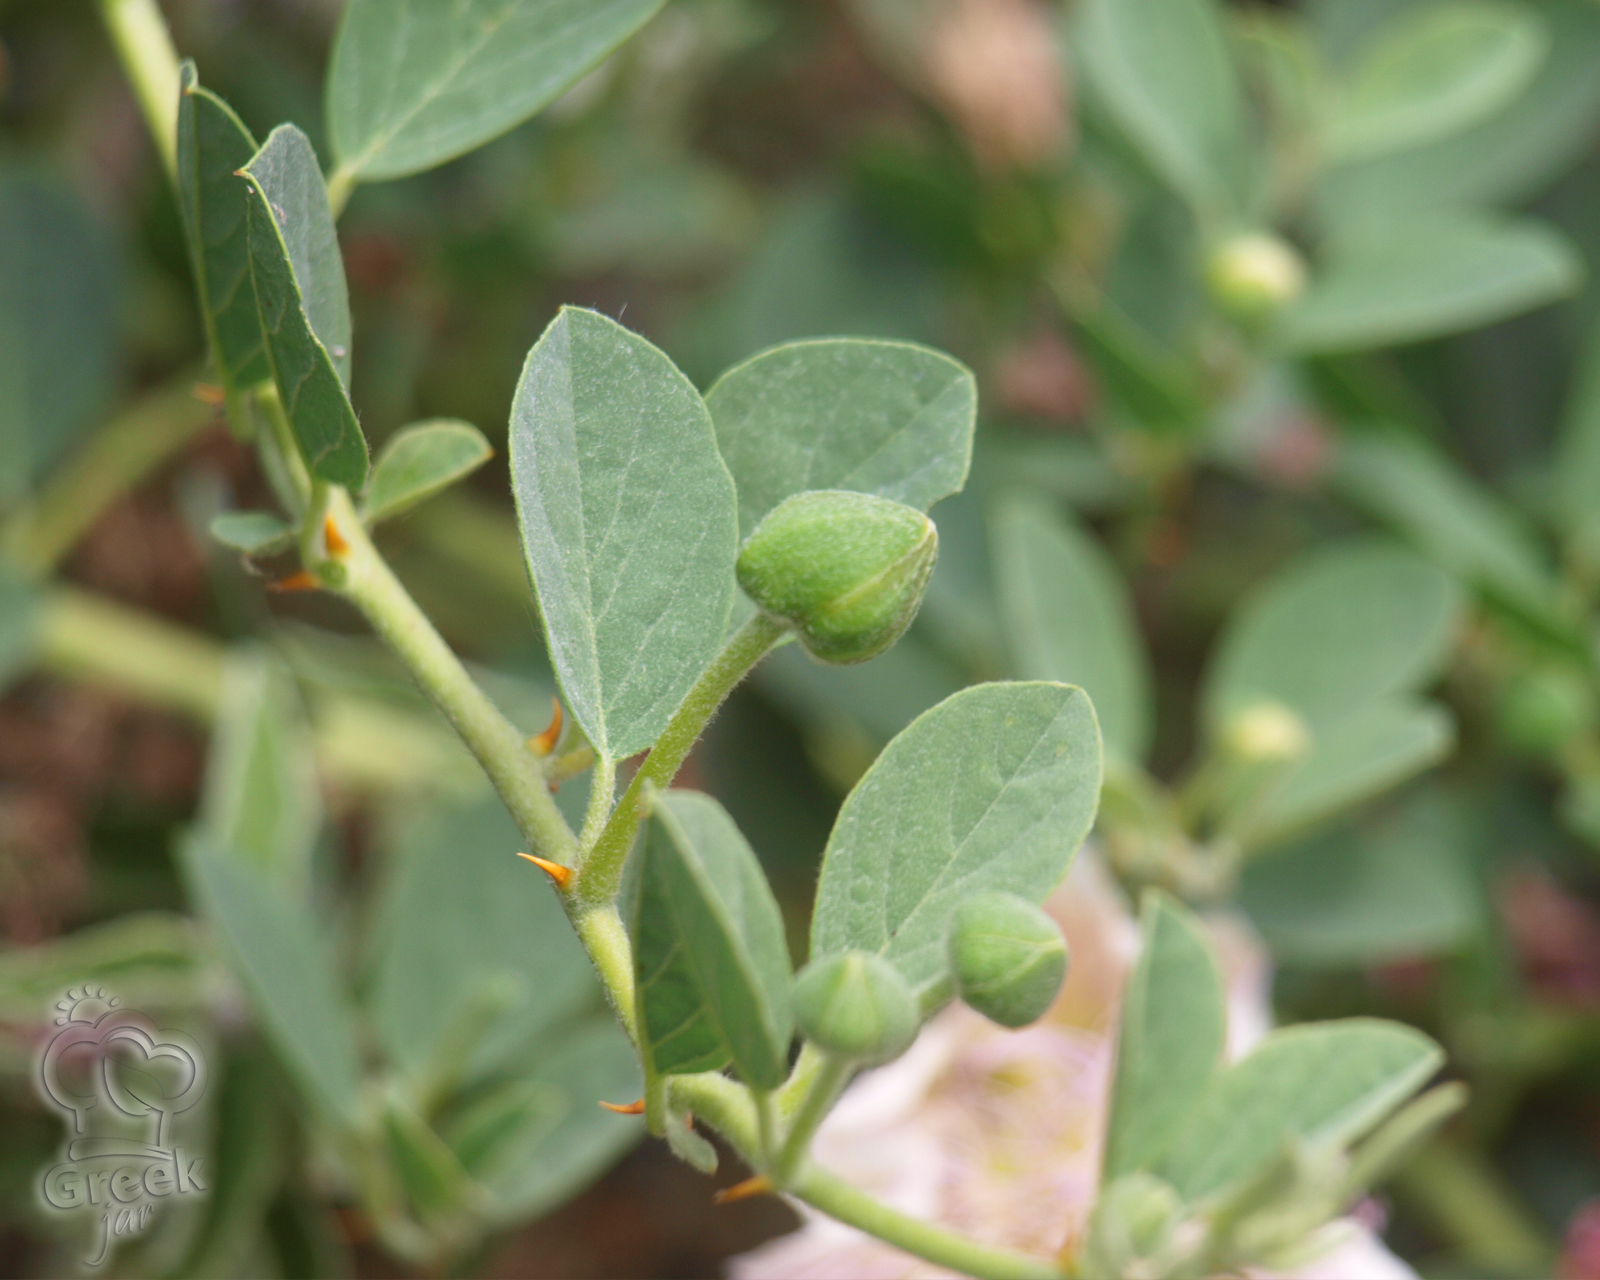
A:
(420, 460)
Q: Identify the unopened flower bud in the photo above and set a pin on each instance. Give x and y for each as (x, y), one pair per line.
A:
(1267, 731)
(1255, 274)
(1008, 958)
(856, 1006)
(1541, 710)
(1138, 1228)
(846, 569)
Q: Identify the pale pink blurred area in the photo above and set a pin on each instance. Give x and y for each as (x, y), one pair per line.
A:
(997, 1133)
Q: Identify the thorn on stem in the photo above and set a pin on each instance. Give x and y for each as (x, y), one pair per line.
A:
(561, 875)
(760, 1185)
(625, 1108)
(301, 581)
(542, 744)
(337, 546)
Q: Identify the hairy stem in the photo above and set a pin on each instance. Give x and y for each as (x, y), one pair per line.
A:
(145, 48)
(600, 876)
(826, 1086)
(341, 186)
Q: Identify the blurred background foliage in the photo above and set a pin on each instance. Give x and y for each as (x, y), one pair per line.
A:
(1284, 320)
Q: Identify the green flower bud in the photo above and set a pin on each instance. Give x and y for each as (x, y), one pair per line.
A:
(1543, 709)
(856, 1006)
(1008, 957)
(1255, 274)
(1136, 1228)
(1267, 731)
(847, 569)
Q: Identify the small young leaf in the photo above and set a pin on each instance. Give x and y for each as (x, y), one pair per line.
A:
(212, 147)
(628, 522)
(1428, 277)
(58, 326)
(709, 950)
(1070, 619)
(305, 311)
(1335, 633)
(1170, 1040)
(287, 971)
(1162, 71)
(993, 789)
(1435, 71)
(413, 83)
(418, 462)
(1324, 1084)
(261, 795)
(255, 533)
(887, 418)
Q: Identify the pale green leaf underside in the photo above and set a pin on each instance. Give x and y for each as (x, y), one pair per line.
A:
(1069, 619)
(1336, 632)
(887, 418)
(413, 83)
(993, 789)
(252, 532)
(420, 460)
(212, 147)
(1169, 1040)
(1434, 72)
(1426, 277)
(287, 215)
(287, 972)
(628, 524)
(710, 955)
(1322, 1084)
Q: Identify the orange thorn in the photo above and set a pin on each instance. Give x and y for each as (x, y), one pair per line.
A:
(337, 546)
(759, 1185)
(542, 744)
(561, 875)
(625, 1108)
(301, 581)
(209, 393)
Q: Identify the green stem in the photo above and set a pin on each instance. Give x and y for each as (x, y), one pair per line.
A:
(372, 587)
(118, 456)
(140, 34)
(943, 1248)
(602, 794)
(826, 1086)
(600, 876)
(341, 186)
(600, 929)
(288, 449)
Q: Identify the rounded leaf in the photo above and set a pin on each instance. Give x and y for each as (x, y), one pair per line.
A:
(1008, 958)
(856, 1006)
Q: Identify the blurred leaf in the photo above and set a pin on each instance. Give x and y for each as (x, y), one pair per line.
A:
(1163, 72)
(1341, 630)
(1322, 1085)
(261, 798)
(1426, 277)
(492, 1129)
(1169, 1039)
(1355, 758)
(628, 521)
(420, 460)
(19, 624)
(1577, 460)
(58, 312)
(305, 313)
(887, 418)
(711, 962)
(438, 1188)
(1508, 157)
(1395, 889)
(1154, 387)
(1417, 491)
(461, 912)
(1070, 619)
(286, 971)
(1435, 71)
(252, 532)
(993, 789)
(212, 147)
(415, 83)
(156, 960)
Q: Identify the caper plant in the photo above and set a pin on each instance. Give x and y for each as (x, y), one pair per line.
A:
(674, 540)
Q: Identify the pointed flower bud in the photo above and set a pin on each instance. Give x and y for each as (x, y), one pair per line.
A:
(1008, 958)
(846, 569)
(856, 1006)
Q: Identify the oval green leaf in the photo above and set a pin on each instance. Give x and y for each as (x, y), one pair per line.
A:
(420, 460)
(712, 966)
(887, 418)
(252, 532)
(413, 83)
(993, 789)
(627, 516)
